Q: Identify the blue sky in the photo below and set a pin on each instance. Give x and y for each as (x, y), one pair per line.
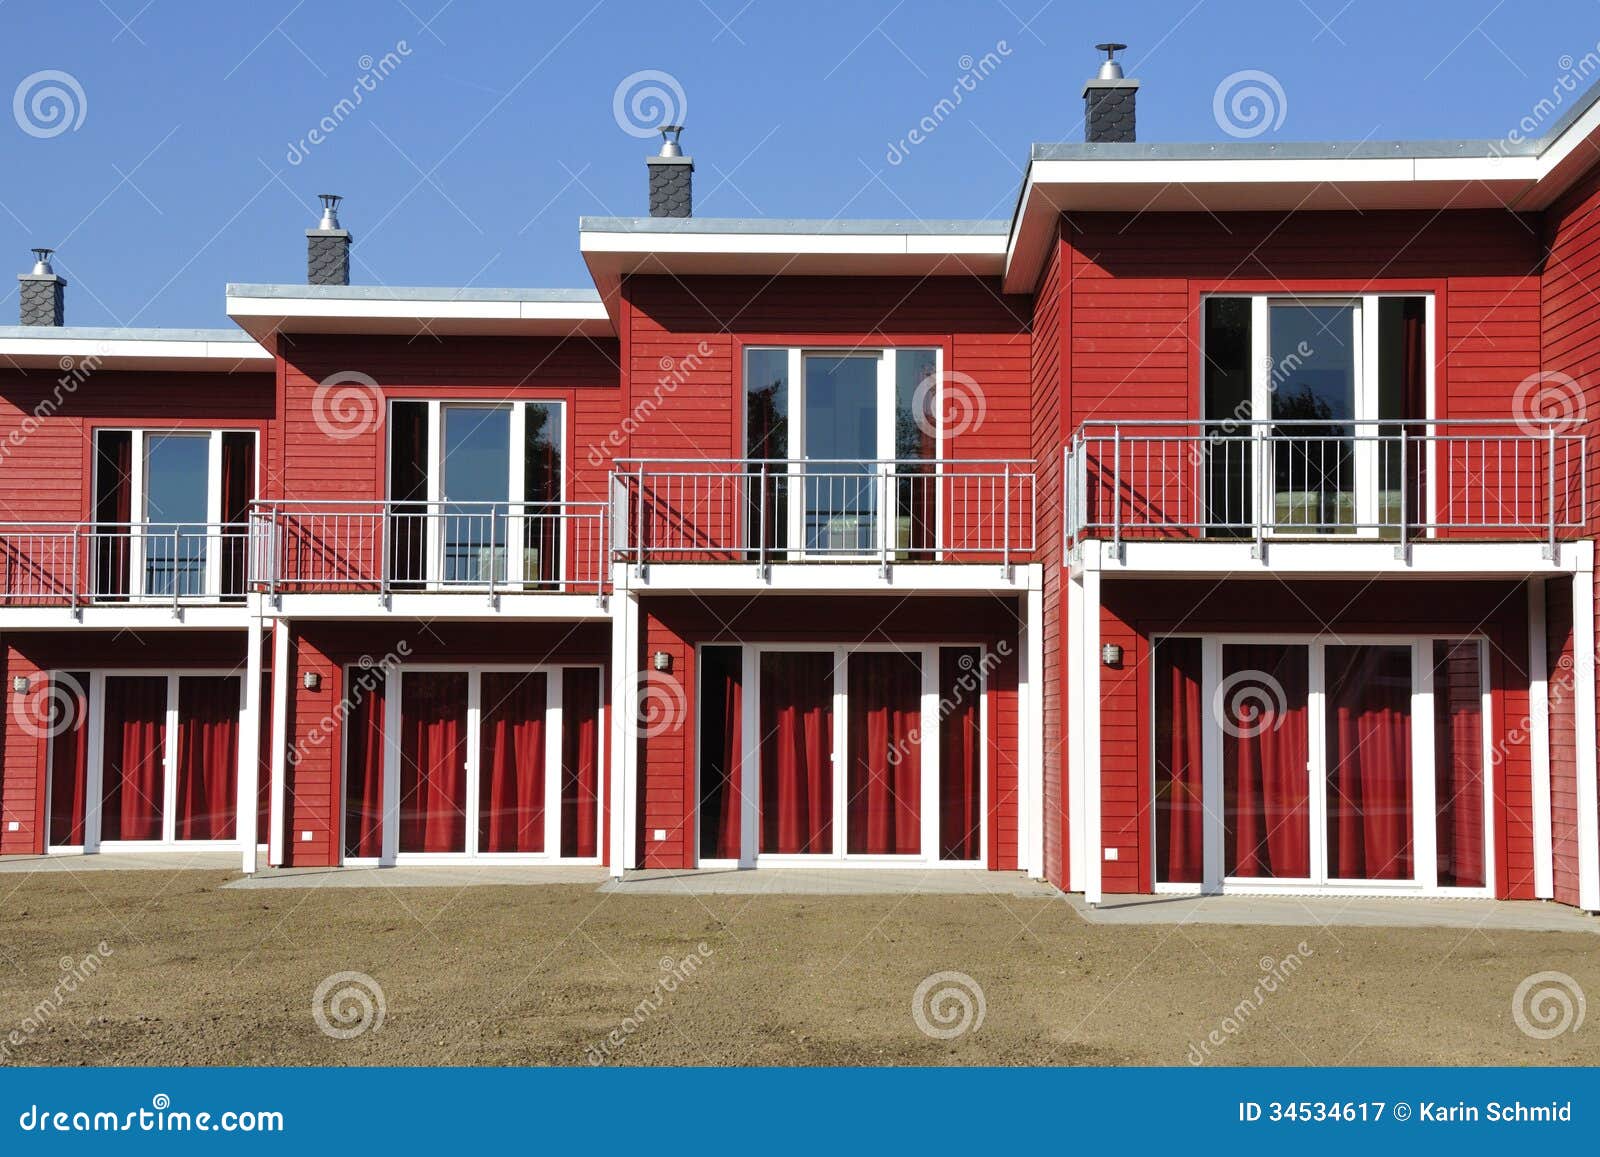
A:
(186, 162)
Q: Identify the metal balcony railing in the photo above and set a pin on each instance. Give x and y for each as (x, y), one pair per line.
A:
(75, 564)
(766, 511)
(1388, 480)
(492, 548)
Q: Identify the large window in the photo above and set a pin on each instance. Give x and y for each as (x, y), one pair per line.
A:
(476, 494)
(1311, 406)
(842, 448)
(171, 512)
(1304, 763)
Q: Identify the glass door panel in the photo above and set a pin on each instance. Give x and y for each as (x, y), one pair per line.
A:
(512, 761)
(433, 761)
(133, 767)
(177, 492)
(1458, 761)
(208, 757)
(796, 753)
(1314, 392)
(883, 784)
(474, 485)
(1261, 706)
(841, 451)
(916, 446)
(1368, 746)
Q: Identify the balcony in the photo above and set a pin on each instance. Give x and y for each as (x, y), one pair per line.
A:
(142, 564)
(489, 549)
(766, 511)
(1387, 481)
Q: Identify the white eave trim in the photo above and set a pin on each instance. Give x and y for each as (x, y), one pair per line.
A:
(793, 244)
(528, 316)
(133, 353)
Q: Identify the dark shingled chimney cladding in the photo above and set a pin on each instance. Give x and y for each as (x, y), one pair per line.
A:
(41, 292)
(1108, 100)
(328, 247)
(671, 177)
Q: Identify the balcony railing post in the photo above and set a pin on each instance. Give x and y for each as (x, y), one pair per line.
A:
(1405, 498)
(761, 522)
(639, 532)
(1005, 526)
(1116, 492)
(885, 533)
(76, 532)
(1550, 471)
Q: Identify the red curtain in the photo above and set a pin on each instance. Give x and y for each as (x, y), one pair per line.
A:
(238, 486)
(69, 762)
(511, 756)
(1414, 398)
(135, 741)
(1458, 763)
(113, 505)
(1369, 763)
(883, 809)
(542, 490)
(721, 715)
(1180, 813)
(363, 763)
(960, 751)
(433, 777)
(796, 752)
(408, 490)
(580, 762)
(208, 757)
(1265, 782)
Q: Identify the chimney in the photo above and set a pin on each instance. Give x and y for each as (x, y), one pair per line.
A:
(328, 247)
(41, 292)
(671, 181)
(1108, 101)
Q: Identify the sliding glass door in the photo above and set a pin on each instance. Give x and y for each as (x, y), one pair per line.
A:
(1294, 764)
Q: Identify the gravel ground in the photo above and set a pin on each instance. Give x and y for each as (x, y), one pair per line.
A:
(157, 967)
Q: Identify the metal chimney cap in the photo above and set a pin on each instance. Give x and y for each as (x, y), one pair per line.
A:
(669, 141)
(41, 262)
(330, 210)
(1110, 68)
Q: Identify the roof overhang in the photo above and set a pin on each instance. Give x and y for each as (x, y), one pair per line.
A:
(262, 310)
(82, 349)
(614, 247)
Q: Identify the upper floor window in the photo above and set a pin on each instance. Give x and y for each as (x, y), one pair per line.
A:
(1307, 404)
(476, 492)
(844, 431)
(171, 511)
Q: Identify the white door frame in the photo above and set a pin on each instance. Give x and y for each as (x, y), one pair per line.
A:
(1423, 804)
(473, 712)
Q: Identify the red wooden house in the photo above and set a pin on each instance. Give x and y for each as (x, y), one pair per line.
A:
(1221, 521)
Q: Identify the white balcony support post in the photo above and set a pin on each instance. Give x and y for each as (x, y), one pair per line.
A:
(1073, 737)
(250, 741)
(1089, 730)
(280, 740)
(625, 676)
(1539, 740)
(1030, 679)
(1583, 694)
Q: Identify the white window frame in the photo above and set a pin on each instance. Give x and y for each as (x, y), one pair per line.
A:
(929, 738)
(516, 477)
(1423, 802)
(391, 856)
(94, 770)
(887, 359)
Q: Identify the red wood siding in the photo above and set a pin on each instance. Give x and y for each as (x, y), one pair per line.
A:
(313, 783)
(1134, 612)
(667, 774)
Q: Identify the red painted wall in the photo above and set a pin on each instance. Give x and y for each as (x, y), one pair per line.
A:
(1135, 611)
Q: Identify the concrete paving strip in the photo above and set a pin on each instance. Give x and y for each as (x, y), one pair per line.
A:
(123, 862)
(828, 882)
(1338, 911)
(432, 876)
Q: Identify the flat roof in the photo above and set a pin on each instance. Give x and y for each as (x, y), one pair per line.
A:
(262, 310)
(66, 348)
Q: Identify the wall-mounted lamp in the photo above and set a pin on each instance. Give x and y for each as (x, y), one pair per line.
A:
(312, 681)
(662, 661)
(1111, 655)
(19, 684)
